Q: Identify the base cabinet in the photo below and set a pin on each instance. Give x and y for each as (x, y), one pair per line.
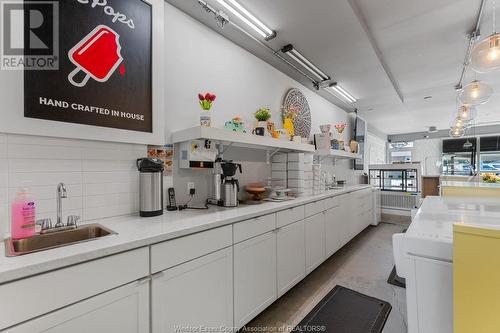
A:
(123, 310)
(334, 230)
(291, 256)
(198, 293)
(254, 277)
(347, 219)
(315, 241)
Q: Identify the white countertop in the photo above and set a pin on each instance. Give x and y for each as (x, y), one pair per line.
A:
(431, 232)
(134, 232)
(469, 184)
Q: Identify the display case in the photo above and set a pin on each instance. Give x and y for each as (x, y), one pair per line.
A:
(396, 177)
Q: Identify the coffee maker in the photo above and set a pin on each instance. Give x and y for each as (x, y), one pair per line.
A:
(230, 185)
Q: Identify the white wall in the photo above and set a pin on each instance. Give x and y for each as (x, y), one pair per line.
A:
(375, 150)
(200, 60)
(428, 152)
(101, 177)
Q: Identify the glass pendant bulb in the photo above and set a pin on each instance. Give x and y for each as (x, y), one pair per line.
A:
(485, 56)
(459, 123)
(466, 113)
(476, 93)
(457, 132)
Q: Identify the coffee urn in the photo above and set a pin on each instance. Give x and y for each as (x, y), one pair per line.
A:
(151, 186)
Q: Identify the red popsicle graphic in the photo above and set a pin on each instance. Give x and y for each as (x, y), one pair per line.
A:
(97, 55)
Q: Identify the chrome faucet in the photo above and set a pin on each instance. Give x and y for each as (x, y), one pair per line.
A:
(61, 194)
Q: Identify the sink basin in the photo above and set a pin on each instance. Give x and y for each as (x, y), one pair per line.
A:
(55, 239)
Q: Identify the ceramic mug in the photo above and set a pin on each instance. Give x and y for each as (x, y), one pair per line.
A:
(259, 131)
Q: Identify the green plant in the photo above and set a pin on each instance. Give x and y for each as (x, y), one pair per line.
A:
(263, 114)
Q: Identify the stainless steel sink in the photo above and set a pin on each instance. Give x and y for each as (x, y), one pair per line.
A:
(55, 239)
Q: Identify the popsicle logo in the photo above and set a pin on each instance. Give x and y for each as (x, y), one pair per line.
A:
(29, 35)
(97, 55)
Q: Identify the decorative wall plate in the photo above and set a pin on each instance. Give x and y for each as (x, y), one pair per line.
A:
(295, 99)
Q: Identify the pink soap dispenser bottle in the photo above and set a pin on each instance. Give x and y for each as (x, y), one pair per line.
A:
(23, 215)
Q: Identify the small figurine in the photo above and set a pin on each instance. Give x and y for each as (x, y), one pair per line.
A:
(235, 124)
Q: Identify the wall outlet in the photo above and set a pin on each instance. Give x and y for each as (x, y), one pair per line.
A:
(190, 187)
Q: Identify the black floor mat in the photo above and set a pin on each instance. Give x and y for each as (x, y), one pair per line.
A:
(346, 311)
(396, 280)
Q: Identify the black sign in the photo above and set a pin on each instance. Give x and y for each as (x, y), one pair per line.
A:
(105, 60)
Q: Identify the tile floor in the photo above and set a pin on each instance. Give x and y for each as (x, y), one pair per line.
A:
(363, 265)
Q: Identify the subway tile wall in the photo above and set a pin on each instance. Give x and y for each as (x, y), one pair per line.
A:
(101, 177)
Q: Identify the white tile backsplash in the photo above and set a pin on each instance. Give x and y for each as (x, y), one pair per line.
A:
(110, 188)
(110, 177)
(39, 165)
(36, 151)
(101, 177)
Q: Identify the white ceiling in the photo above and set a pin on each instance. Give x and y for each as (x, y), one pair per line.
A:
(422, 44)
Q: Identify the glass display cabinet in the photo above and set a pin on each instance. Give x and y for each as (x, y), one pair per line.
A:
(396, 177)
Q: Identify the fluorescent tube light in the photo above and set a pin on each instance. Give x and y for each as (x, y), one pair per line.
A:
(304, 62)
(248, 18)
(336, 90)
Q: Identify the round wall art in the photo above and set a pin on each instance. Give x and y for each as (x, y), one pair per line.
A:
(295, 105)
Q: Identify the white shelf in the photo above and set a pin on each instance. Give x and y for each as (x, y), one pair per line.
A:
(239, 139)
(340, 154)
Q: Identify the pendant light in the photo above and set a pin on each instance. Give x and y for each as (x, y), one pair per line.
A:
(476, 93)
(457, 132)
(467, 144)
(485, 56)
(466, 113)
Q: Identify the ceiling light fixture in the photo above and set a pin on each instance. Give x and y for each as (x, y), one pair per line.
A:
(247, 17)
(485, 55)
(339, 91)
(457, 132)
(476, 93)
(304, 62)
(466, 112)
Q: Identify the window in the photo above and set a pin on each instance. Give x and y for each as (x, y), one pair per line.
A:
(459, 164)
(401, 156)
(490, 162)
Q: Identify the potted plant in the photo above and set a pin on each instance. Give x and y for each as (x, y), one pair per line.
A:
(206, 104)
(262, 115)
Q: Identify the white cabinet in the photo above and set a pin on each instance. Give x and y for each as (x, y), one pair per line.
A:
(290, 215)
(291, 256)
(335, 230)
(314, 241)
(199, 292)
(123, 310)
(254, 277)
(346, 219)
(35, 296)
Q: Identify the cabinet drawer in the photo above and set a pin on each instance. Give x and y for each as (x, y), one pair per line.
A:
(289, 216)
(51, 291)
(179, 250)
(100, 313)
(332, 202)
(314, 208)
(254, 227)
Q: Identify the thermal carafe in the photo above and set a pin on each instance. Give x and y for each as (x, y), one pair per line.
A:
(150, 186)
